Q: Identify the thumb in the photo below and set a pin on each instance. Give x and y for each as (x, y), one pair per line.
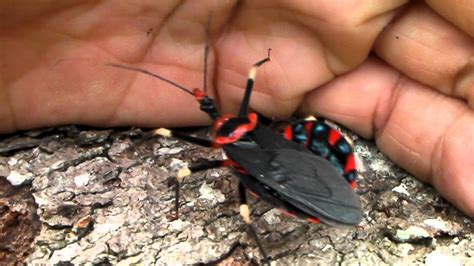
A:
(425, 132)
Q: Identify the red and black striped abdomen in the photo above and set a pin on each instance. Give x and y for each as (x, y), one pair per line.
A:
(327, 142)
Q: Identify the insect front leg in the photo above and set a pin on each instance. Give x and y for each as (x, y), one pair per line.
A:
(250, 81)
(182, 173)
(186, 171)
(194, 140)
(245, 215)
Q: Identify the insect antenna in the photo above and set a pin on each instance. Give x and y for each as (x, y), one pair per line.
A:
(206, 54)
(250, 81)
(144, 71)
(204, 82)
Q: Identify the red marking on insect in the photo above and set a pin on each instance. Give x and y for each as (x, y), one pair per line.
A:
(199, 94)
(238, 132)
(334, 136)
(350, 164)
(314, 220)
(288, 133)
(309, 127)
(234, 165)
(353, 184)
(253, 194)
(288, 213)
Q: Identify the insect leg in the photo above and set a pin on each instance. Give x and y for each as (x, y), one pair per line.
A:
(195, 140)
(183, 172)
(245, 214)
(248, 89)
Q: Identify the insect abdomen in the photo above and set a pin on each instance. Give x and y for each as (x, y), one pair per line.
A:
(327, 142)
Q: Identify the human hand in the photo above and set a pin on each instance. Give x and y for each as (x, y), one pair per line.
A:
(54, 55)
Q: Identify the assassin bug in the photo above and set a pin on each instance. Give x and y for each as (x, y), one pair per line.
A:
(305, 167)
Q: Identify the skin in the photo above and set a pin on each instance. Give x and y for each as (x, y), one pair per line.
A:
(397, 72)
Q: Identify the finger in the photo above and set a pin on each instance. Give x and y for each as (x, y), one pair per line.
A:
(309, 42)
(460, 13)
(429, 49)
(425, 132)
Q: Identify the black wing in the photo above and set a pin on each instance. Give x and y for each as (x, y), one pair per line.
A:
(306, 181)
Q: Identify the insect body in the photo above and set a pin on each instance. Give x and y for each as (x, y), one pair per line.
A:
(328, 143)
(306, 170)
